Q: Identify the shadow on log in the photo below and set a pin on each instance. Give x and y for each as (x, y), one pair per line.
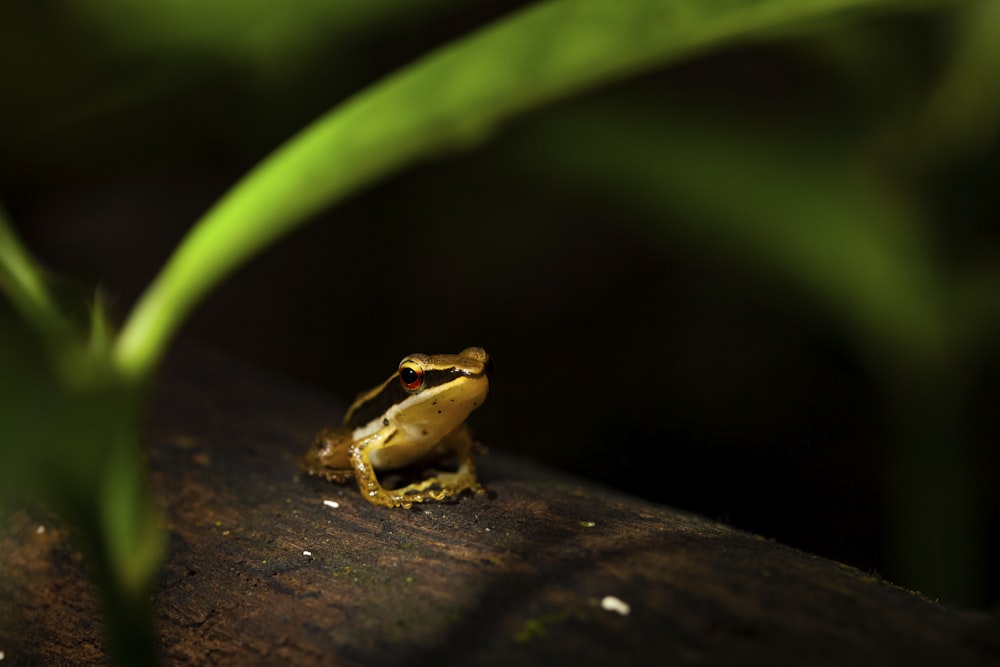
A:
(544, 569)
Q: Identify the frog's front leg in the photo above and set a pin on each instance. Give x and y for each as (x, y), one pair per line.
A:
(329, 455)
(368, 483)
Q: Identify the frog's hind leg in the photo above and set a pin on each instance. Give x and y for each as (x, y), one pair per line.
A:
(439, 485)
(461, 442)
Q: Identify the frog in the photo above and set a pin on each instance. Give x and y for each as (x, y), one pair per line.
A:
(418, 414)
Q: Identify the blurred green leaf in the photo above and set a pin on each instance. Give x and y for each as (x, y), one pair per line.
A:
(793, 203)
(962, 114)
(69, 439)
(22, 281)
(268, 36)
(813, 212)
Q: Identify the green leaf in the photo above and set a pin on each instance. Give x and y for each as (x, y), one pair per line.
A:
(453, 98)
(962, 114)
(813, 213)
(22, 280)
(69, 439)
(800, 205)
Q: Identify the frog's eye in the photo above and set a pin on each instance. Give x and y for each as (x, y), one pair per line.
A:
(411, 376)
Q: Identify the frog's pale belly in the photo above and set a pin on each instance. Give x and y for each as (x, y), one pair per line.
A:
(396, 457)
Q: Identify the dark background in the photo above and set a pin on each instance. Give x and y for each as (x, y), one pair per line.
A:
(675, 367)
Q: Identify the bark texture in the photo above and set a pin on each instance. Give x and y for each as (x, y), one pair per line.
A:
(536, 572)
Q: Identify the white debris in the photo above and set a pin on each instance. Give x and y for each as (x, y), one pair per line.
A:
(331, 503)
(1, 655)
(307, 553)
(611, 603)
(38, 531)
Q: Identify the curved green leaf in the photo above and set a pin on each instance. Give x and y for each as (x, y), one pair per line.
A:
(451, 98)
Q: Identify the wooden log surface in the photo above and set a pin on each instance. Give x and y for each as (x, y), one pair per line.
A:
(538, 571)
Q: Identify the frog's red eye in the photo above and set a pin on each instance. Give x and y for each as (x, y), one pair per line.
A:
(411, 376)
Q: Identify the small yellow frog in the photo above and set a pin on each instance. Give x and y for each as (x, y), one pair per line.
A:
(418, 413)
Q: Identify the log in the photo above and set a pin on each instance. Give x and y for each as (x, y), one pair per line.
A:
(267, 565)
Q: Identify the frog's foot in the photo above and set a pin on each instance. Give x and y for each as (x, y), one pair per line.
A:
(436, 487)
(451, 483)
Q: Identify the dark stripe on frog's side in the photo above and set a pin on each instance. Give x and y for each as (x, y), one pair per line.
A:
(392, 392)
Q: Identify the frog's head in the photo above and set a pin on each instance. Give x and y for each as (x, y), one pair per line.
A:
(429, 395)
(441, 390)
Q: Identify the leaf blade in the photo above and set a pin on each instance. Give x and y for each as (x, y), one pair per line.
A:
(453, 97)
